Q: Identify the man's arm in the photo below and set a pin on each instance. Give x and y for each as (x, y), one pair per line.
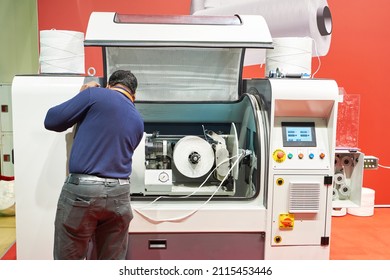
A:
(63, 116)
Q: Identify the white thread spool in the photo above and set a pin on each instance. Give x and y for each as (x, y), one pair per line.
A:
(344, 191)
(346, 161)
(61, 51)
(339, 178)
(7, 198)
(337, 161)
(285, 18)
(193, 156)
(335, 194)
(290, 56)
(339, 212)
(367, 204)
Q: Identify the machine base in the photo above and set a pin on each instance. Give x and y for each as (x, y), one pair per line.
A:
(196, 246)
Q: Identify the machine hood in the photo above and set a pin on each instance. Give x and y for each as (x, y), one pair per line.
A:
(176, 58)
(112, 29)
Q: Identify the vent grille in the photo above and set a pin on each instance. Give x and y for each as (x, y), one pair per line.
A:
(304, 197)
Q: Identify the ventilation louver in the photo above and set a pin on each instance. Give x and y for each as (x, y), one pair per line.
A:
(304, 197)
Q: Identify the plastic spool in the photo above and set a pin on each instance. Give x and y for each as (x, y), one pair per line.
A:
(304, 18)
(61, 51)
(337, 161)
(335, 194)
(290, 56)
(344, 191)
(346, 161)
(339, 178)
(7, 198)
(339, 212)
(367, 204)
(193, 156)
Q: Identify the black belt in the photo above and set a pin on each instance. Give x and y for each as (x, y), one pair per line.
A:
(91, 179)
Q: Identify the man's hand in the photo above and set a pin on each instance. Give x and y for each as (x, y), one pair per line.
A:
(89, 84)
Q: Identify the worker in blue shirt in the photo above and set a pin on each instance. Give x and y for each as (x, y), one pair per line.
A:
(94, 203)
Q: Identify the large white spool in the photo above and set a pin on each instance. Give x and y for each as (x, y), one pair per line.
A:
(367, 204)
(189, 146)
(290, 56)
(285, 18)
(339, 212)
(7, 198)
(61, 51)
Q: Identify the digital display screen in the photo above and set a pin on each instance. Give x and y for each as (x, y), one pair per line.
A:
(299, 134)
(295, 134)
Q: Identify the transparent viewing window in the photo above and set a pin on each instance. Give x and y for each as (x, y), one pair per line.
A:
(197, 150)
(180, 74)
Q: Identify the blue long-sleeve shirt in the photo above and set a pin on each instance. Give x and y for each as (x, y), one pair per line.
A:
(109, 130)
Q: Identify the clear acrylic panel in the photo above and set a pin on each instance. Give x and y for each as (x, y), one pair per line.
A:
(180, 74)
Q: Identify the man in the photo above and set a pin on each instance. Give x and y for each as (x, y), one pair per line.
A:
(95, 198)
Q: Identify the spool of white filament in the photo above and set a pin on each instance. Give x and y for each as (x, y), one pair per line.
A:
(335, 194)
(346, 161)
(339, 212)
(344, 191)
(7, 198)
(285, 18)
(367, 204)
(61, 51)
(290, 56)
(336, 161)
(193, 156)
(339, 178)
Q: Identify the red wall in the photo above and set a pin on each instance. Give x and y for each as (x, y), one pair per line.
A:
(358, 59)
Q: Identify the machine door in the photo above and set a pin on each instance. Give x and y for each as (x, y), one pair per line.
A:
(299, 209)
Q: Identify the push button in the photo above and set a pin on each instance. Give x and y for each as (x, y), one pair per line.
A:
(279, 155)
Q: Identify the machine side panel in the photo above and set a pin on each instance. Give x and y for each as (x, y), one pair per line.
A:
(40, 160)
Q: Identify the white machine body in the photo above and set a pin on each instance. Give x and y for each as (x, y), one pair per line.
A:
(301, 168)
(227, 169)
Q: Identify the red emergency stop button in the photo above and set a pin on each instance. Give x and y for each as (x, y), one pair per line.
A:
(279, 155)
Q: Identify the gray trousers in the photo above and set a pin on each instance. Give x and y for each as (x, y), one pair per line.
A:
(97, 211)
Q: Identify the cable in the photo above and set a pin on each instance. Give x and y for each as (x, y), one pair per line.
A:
(197, 209)
(383, 166)
(194, 211)
(318, 57)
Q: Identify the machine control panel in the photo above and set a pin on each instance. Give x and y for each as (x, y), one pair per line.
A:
(300, 144)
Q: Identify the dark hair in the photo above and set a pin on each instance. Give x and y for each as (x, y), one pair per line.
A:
(125, 78)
